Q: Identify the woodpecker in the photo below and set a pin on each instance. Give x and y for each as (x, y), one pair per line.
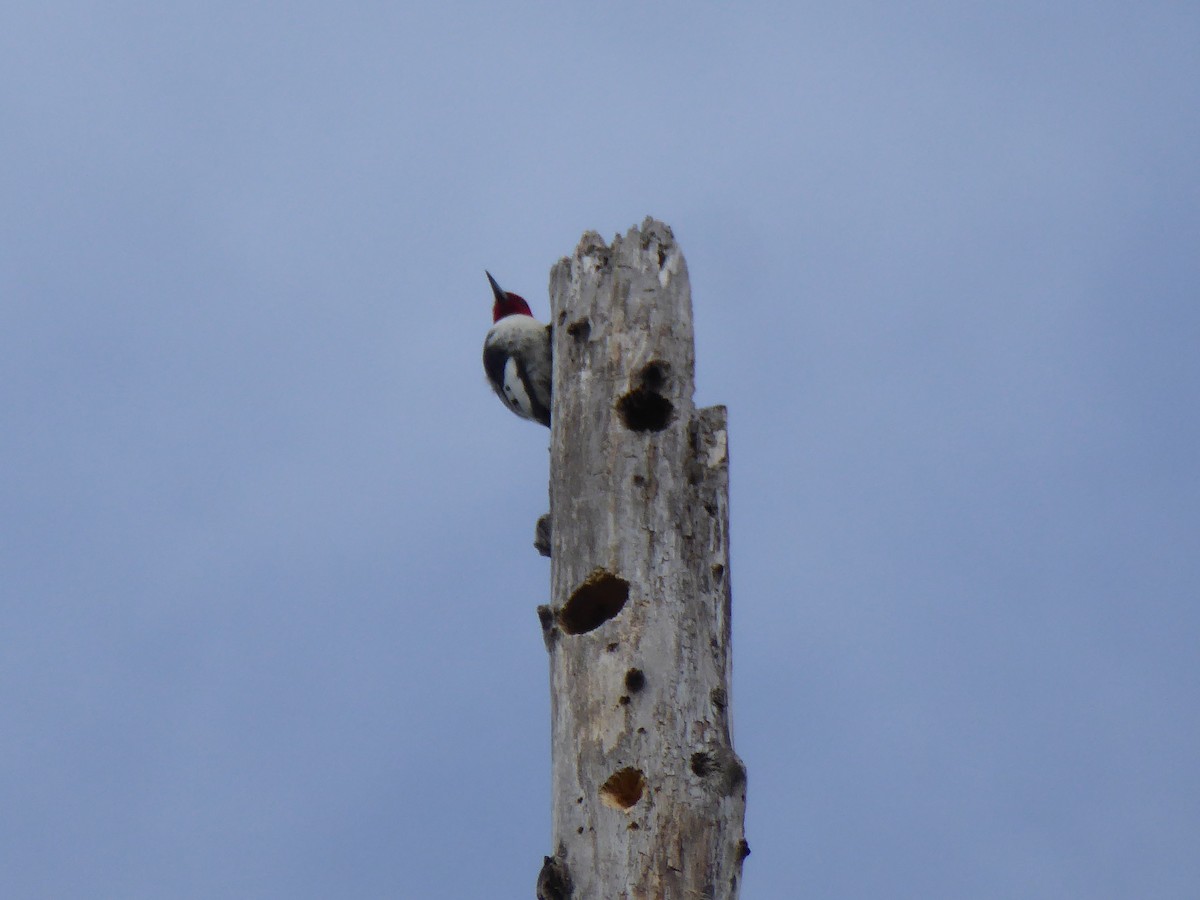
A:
(516, 356)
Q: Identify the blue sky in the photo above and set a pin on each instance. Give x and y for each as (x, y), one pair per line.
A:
(265, 568)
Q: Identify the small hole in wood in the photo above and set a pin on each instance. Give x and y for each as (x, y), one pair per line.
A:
(635, 680)
(654, 375)
(581, 330)
(600, 597)
(623, 789)
(624, 700)
(702, 764)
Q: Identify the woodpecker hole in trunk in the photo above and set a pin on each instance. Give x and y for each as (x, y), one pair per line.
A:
(580, 329)
(623, 789)
(653, 376)
(635, 680)
(600, 597)
(645, 408)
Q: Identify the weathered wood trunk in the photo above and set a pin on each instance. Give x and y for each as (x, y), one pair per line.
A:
(649, 797)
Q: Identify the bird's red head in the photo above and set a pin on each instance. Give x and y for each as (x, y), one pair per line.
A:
(507, 303)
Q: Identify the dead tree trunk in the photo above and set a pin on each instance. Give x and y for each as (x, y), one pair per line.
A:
(649, 797)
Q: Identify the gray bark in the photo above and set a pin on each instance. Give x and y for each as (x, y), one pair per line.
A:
(648, 795)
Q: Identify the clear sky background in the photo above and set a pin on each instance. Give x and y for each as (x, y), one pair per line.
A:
(266, 581)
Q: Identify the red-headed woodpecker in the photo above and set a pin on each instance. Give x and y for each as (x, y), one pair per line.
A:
(516, 356)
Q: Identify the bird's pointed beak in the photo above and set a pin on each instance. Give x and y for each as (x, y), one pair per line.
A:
(496, 289)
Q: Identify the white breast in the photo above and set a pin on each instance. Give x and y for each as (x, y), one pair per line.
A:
(514, 391)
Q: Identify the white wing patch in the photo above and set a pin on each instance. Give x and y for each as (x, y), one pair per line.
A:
(514, 390)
